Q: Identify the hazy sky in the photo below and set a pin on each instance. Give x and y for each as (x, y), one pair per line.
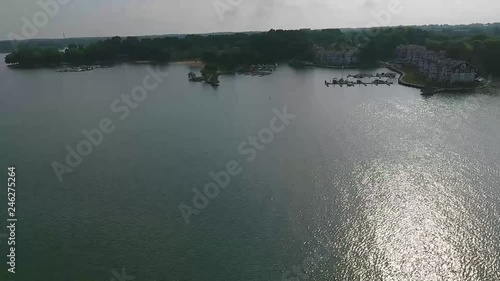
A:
(141, 17)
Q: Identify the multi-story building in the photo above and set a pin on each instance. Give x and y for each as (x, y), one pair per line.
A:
(336, 57)
(435, 65)
(352, 57)
(456, 71)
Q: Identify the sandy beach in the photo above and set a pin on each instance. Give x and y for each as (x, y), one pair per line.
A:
(191, 63)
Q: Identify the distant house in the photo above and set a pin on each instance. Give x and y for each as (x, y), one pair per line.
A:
(415, 54)
(352, 57)
(336, 57)
(409, 53)
(435, 65)
(456, 71)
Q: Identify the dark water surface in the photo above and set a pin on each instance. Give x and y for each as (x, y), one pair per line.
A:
(366, 183)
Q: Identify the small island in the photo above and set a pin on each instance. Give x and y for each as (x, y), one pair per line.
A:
(209, 74)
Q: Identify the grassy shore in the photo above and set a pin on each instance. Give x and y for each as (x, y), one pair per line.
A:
(414, 77)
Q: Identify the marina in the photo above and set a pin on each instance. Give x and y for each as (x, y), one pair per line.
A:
(391, 75)
(349, 83)
(258, 70)
(212, 77)
(361, 79)
(83, 68)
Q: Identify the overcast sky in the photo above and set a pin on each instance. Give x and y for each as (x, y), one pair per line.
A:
(80, 18)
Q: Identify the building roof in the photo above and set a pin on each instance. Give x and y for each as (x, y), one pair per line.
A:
(441, 61)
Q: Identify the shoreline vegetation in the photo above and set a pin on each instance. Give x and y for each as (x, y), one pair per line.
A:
(476, 44)
(63, 64)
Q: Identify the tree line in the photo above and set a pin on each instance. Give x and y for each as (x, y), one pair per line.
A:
(479, 45)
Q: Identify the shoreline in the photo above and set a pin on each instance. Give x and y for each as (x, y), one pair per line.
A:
(401, 81)
(197, 63)
(67, 64)
(402, 76)
(201, 64)
(311, 64)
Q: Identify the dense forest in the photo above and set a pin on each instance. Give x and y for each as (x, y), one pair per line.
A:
(61, 43)
(9, 46)
(478, 44)
(227, 50)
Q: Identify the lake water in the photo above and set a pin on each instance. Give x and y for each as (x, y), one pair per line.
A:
(365, 183)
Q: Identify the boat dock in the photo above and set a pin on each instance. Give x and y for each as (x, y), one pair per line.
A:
(369, 75)
(381, 79)
(359, 83)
